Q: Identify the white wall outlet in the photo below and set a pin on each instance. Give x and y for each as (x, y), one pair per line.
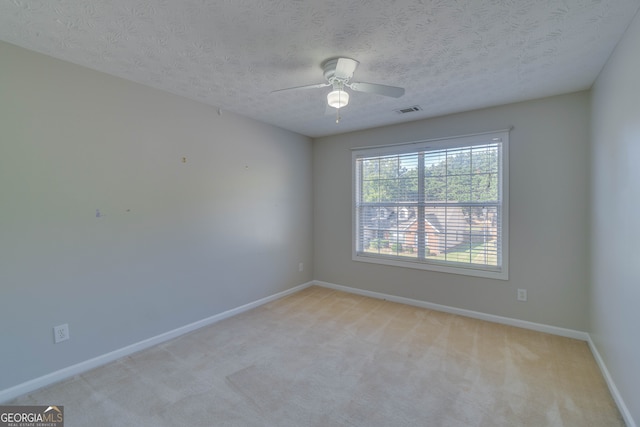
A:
(300, 267)
(522, 294)
(61, 333)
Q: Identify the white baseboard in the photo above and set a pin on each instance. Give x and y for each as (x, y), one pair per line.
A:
(570, 333)
(62, 374)
(79, 368)
(626, 415)
(583, 336)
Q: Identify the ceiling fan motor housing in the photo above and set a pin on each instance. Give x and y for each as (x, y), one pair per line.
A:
(330, 66)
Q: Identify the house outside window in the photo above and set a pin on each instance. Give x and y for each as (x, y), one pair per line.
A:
(437, 205)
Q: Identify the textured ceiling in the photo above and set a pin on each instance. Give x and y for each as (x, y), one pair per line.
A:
(449, 55)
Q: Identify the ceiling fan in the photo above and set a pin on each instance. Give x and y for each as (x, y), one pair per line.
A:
(338, 73)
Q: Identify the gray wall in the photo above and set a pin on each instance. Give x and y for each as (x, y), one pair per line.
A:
(615, 289)
(549, 219)
(176, 242)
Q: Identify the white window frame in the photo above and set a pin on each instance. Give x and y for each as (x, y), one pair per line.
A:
(500, 272)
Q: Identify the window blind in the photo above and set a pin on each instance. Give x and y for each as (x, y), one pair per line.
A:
(433, 204)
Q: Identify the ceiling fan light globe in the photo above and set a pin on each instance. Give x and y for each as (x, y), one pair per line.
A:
(338, 98)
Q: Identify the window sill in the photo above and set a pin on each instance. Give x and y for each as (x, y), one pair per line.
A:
(420, 265)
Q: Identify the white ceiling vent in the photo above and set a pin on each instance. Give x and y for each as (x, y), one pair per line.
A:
(406, 110)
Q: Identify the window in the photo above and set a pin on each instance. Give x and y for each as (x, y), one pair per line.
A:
(435, 205)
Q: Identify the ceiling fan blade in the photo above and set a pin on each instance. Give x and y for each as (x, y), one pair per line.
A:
(345, 68)
(393, 91)
(314, 86)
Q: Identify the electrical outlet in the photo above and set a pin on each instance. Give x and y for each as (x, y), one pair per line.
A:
(300, 267)
(61, 333)
(522, 294)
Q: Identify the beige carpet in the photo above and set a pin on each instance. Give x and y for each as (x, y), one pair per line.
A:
(327, 358)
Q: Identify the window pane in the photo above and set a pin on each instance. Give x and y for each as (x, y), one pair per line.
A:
(484, 187)
(459, 161)
(459, 188)
(485, 159)
(435, 163)
(370, 191)
(370, 169)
